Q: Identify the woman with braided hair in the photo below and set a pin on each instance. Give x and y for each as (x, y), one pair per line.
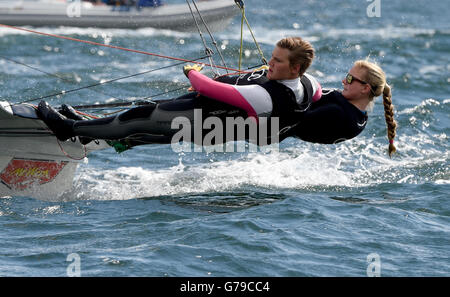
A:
(341, 115)
(376, 78)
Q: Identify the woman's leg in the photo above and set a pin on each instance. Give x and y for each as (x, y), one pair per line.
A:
(207, 119)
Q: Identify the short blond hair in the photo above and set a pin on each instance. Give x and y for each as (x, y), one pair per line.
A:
(301, 52)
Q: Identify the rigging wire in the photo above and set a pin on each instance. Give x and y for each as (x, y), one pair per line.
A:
(241, 5)
(213, 40)
(242, 37)
(53, 75)
(139, 102)
(102, 83)
(111, 46)
(208, 51)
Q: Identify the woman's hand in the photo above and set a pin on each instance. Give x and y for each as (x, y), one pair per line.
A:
(196, 67)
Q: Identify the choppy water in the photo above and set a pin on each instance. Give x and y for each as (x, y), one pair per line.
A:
(307, 210)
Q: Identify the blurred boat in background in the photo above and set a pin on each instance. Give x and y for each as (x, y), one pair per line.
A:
(126, 14)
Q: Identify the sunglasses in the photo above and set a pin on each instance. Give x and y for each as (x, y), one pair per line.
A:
(350, 78)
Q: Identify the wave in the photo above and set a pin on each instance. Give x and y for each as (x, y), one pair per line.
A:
(269, 172)
(307, 168)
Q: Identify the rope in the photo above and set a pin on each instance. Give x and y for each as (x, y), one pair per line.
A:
(139, 102)
(241, 5)
(242, 37)
(101, 83)
(52, 74)
(208, 51)
(111, 46)
(69, 156)
(213, 41)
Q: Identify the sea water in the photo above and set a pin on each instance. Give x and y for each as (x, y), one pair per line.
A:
(304, 210)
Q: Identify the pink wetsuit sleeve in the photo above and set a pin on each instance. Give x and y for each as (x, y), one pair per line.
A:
(220, 91)
(318, 93)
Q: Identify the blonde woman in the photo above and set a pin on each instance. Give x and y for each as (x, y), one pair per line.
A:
(341, 115)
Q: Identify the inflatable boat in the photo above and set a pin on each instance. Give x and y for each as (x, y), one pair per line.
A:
(217, 13)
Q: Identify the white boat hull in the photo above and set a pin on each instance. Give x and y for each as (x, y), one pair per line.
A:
(216, 13)
(32, 161)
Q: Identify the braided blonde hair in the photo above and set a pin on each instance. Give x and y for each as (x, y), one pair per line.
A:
(376, 78)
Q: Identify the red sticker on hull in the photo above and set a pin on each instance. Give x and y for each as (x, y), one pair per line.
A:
(21, 174)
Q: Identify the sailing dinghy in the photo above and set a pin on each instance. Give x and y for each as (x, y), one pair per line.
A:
(32, 161)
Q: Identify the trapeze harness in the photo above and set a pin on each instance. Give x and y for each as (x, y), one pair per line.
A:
(251, 95)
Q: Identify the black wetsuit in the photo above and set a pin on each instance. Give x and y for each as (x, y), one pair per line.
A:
(332, 119)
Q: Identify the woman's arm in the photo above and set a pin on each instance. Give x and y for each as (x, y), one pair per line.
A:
(253, 99)
(317, 88)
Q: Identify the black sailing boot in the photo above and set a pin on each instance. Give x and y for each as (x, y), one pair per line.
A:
(61, 126)
(69, 112)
